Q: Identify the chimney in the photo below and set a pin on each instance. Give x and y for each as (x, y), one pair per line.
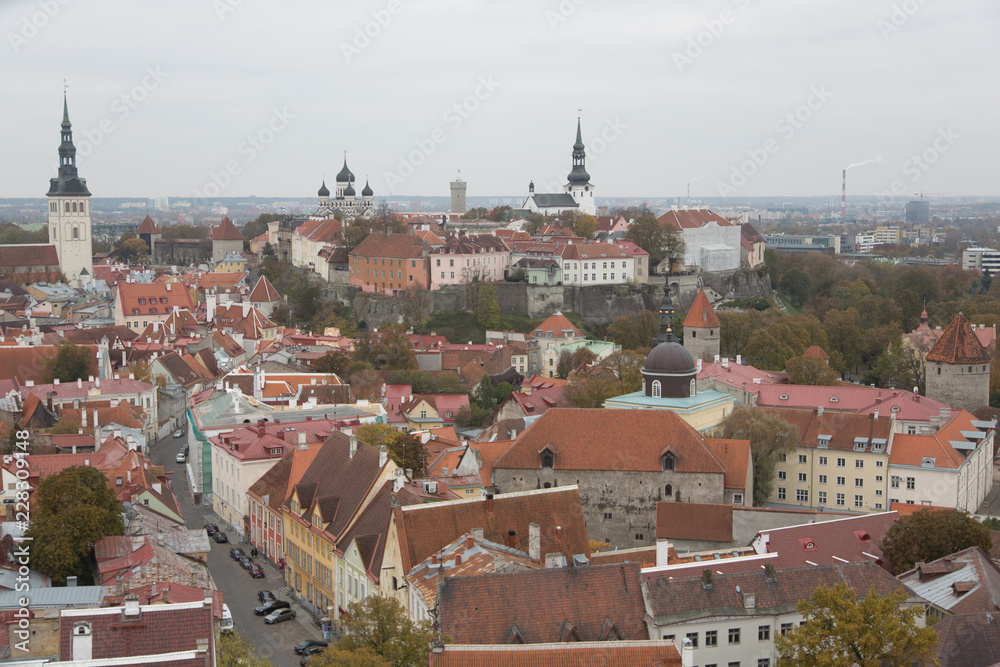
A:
(489, 504)
(209, 597)
(662, 553)
(558, 533)
(434, 559)
(397, 480)
(470, 541)
(71, 582)
(79, 383)
(354, 445)
(706, 579)
(555, 559)
(131, 605)
(534, 541)
(383, 455)
(687, 653)
(512, 539)
(876, 414)
(166, 595)
(819, 411)
(83, 641)
(458, 559)
(477, 533)
(739, 359)
(769, 574)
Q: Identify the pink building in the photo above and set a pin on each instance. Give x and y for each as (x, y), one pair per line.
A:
(466, 258)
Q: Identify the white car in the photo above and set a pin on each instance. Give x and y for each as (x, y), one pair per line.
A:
(181, 457)
(178, 433)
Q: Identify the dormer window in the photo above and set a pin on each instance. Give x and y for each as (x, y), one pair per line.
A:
(548, 458)
(668, 461)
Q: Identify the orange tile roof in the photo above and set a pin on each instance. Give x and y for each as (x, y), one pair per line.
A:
(911, 450)
(692, 218)
(145, 298)
(147, 227)
(906, 509)
(556, 323)
(958, 345)
(650, 653)
(264, 292)
(815, 351)
(226, 231)
(393, 245)
(701, 314)
(735, 454)
(585, 439)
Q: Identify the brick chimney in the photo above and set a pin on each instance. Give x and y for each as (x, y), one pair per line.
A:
(489, 504)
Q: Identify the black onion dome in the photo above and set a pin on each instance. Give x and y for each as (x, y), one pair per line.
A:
(323, 191)
(367, 191)
(345, 175)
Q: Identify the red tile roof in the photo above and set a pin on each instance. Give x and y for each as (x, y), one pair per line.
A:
(554, 325)
(264, 292)
(596, 603)
(735, 455)
(226, 231)
(692, 218)
(651, 653)
(911, 450)
(588, 440)
(393, 245)
(815, 351)
(14, 257)
(28, 363)
(145, 298)
(861, 400)
(147, 227)
(591, 251)
(694, 521)
(855, 539)
(958, 345)
(843, 427)
(701, 315)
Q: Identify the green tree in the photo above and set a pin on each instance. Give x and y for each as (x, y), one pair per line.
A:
(235, 649)
(931, 534)
(133, 251)
(70, 511)
(564, 365)
(380, 625)
(842, 631)
(647, 233)
(769, 435)
(71, 363)
(332, 362)
(355, 233)
(585, 226)
(635, 331)
(487, 307)
(483, 394)
(673, 244)
(894, 368)
(408, 453)
(797, 284)
(811, 371)
(477, 213)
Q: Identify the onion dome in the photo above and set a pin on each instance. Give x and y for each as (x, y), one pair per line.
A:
(349, 191)
(323, 190)
(345, 175)
(367, 191)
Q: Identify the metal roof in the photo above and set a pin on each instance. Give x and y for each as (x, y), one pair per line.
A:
(59, 596)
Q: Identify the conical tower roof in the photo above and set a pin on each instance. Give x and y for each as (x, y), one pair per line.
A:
(701, 314)
(147, 227)
(227, 232)
(959, 345)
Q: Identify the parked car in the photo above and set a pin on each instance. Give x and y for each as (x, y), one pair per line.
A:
(181, 457)
(220, 537)
(265, 596)
(226, 626)
(273, 605)
(236, 553)
(211, 529)
(244, 562)
(308, 654)
(179, 433)
(256, 571)
(301, 647)
(279, 616)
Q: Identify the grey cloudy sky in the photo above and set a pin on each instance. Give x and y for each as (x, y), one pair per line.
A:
(164, 95)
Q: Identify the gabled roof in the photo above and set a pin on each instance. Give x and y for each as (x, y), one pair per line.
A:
(27, 256)
(958, 345)
(595, 603)
(584, 439)
(915, 450)
(554, 325)
(843, 428)
(692, 218)
(137, 299)
(954, 648)
(965, 582)
(226, 231)
(861, 400)
(855, 539)
(816, 351)
(264, 292)
(735, 455)
(423, 529)
(28, 363)
(701, 315)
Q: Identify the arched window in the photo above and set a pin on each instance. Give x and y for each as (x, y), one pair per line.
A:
(67, 207)
(694, 388)
(74, 207)
(668, 490)
(76, 233)
(548, 460)
(656, 388)
(694, 334)
(668, 461)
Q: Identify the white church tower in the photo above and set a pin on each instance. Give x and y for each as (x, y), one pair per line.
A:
(579, 186)
(69, 212)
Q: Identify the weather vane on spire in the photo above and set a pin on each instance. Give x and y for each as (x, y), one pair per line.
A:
(579, 112)
(65, 86)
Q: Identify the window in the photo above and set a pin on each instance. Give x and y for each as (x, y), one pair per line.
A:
(668, 490)
(782, 475)
(737, 498)
(821, 497)
(822, 460)
(841, 463)
(712, 638)
(763, 633)
(859, 463)
(548, 460)
(785, 629)
(668, 461)
(894, 482)
(878, 478)
(841, 481)
(802, 495)
(859, 483)
(781, 493)
(607, 515)
(859, 501)
(822, 479)
(639, 536)
(693, 636)
(782, 458)
(802, 459)
(734, 635)
(656, 389)
(911, 483)
(802, 477)
(763, 662)
(878, 492)
(841, 499)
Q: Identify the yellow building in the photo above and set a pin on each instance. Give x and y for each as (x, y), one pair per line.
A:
(231, 263)
(840, 462)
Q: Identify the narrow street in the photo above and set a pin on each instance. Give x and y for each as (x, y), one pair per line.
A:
(274, 642)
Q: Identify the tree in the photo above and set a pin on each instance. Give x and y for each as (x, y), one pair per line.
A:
(331, 362)
(132, 251)
(647, 233)
(235, 649)
(408, 453)
(842, 631)
(477, 213)
(355, 233)
(71, 363)
(564, 365)
(811, 371)
(487, 307)
(894, 368)
(635, 331)
(931, 534)
(335, 657)
(366, 385)
(673, 244)
(797, 284)
(483, 394)
(380, 625)
(70, 511)
(769, 435)
(585, 226)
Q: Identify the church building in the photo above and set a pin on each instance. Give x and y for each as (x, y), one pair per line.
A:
(345, 200)
(578, 193)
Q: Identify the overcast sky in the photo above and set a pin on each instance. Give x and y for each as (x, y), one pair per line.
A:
(164, 95)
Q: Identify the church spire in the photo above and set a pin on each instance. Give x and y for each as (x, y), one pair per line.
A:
(68, 181)
(666, 318)
(579, 176)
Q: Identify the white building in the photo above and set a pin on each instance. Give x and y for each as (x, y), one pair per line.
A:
(710, 241)
(981, 259)
(345, 199)
(578, 193)
(69, 212)
(590, 264)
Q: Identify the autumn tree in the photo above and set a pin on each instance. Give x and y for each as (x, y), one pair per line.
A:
(894, 368)
(380, 624)
(617, 374)
(71, 363)
(335, 657)
(636, 331)
(931, 534)
(647, 233)
(585, 226)
(811, 371)
(332, 362)
(235, 649)
(487, 307)
(769, 435)
(70, 511)
(842, 630)
(366, 384)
